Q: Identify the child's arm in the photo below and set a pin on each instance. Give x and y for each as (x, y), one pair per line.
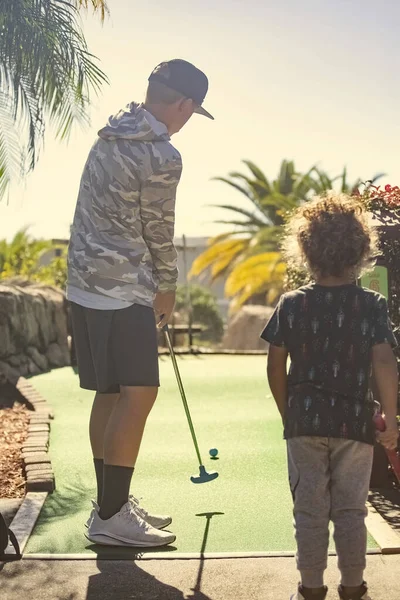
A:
(386, 377)
(277, 376)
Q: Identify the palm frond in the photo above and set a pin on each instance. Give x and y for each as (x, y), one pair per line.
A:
(46, 69)
(220, 253)
(233, 184)
(258, 174)
(255, 276)
(287, 176)
(252, 217)
(12, 159)
(97, 5)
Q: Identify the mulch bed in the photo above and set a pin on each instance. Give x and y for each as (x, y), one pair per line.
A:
(13, 431)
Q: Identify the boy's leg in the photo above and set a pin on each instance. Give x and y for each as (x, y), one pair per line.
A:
(122, 439)
(133, 365)
(308, 461)
(124, 431)
(351, 465)
(118, 354)
(103, 405)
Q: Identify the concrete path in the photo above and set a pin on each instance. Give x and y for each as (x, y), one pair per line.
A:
(224, 579)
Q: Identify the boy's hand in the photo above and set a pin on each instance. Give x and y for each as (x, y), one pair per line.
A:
(163, 307)
(389, 438)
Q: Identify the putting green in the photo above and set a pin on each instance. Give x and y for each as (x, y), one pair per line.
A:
(232, 410)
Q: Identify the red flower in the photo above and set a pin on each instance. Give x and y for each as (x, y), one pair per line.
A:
(388, 188)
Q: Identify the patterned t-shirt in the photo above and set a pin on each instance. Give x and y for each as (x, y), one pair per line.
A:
(329, 333)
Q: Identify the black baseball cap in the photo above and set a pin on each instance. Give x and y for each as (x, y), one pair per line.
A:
(185, 78)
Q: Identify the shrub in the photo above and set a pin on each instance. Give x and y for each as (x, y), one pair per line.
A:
(204, 310)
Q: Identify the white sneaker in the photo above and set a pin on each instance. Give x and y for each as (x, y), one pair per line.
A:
(157, 521)
(95, 509)
(127, 528)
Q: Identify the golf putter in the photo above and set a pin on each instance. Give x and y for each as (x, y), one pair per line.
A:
(204, 476)
(392, 455)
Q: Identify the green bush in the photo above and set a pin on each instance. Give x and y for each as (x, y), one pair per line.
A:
(205, 311)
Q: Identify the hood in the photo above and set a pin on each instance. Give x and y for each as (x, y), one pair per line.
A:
(134, 123)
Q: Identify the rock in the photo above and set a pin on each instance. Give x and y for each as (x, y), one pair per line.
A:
(57, 356)
(244, 328)
(14, 361)
(40, 360)
(7, 373)
(33, 369)
(33, 328)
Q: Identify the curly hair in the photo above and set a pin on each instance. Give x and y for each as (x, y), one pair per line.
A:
(331, 235)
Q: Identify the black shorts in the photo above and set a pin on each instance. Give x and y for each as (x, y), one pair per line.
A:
(115, 347)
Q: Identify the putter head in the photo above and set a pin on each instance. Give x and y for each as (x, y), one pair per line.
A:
(204, 476)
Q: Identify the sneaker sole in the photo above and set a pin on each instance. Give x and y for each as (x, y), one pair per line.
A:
(160, 528)
(105, 540)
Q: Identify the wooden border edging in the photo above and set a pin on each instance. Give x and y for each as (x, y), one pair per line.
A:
(174, 555)
(387, 539)
(35, 449)
(26, 517)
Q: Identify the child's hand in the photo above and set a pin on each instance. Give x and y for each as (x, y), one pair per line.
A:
(389, 438)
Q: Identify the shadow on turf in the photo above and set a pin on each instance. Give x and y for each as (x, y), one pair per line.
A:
(387, 503)
(127, 580)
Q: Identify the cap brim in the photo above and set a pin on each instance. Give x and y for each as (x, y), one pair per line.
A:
(202, 111)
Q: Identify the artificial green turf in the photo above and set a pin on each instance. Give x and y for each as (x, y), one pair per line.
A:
(232, 410)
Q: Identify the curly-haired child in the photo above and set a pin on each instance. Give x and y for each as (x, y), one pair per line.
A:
(335, 333)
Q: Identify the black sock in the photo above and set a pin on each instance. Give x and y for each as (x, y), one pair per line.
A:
(99, 466)
(117, 481)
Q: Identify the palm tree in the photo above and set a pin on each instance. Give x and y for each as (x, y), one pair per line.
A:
(47, 76)
(249, 254)
(321, 182)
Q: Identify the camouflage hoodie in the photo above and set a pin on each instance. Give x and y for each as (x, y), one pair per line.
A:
(121, 243)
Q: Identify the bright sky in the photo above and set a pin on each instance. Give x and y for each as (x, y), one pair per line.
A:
(314, 81)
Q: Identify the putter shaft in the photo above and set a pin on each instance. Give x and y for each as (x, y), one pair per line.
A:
(182, 392)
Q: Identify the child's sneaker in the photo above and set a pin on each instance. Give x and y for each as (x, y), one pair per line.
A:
(157, 521)
(127, 528)
(362, 594)
(302, 595)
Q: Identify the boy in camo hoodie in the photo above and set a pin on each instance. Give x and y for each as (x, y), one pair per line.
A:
(122, 275)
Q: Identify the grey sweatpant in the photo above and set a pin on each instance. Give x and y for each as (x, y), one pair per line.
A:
(329, 480)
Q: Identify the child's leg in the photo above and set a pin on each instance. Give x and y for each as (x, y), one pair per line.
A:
(308, 460)
(351, 464)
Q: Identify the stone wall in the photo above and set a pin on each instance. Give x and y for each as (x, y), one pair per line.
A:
(33, 330)
(244, 329)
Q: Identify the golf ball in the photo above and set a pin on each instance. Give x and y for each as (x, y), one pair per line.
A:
(213, 452)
